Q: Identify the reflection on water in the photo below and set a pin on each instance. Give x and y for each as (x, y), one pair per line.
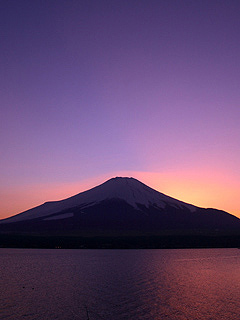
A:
(120, 284)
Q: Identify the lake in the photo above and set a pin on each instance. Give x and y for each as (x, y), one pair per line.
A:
(120, 284)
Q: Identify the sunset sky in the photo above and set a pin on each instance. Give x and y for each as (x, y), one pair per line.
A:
(100, 88)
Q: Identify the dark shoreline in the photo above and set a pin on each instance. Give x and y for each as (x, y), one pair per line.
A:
(120, 242)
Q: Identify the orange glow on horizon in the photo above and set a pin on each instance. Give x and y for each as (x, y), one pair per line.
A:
(203, 189)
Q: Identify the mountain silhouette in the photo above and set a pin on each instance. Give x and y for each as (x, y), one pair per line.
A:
(119, 206)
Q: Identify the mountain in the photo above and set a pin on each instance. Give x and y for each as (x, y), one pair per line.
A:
(119, 206)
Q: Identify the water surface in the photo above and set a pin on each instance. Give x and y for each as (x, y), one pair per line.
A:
(120, 284)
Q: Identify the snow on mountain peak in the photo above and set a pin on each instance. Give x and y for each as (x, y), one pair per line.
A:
(135, 192)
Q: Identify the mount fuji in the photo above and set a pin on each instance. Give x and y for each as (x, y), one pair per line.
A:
(119, 206)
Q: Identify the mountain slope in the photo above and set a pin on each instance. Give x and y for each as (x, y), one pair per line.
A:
(130, 190)
(120, 205)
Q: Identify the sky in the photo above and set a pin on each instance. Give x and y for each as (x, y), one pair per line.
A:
(102, 88)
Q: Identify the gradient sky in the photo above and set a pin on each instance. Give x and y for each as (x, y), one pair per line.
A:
(98, 88)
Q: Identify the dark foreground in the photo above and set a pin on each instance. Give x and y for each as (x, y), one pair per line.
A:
(120, 242)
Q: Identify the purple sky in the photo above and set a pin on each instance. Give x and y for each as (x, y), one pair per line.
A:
(91, 89)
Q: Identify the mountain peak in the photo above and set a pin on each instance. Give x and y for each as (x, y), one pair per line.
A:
(135, 192)
(122, 179)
